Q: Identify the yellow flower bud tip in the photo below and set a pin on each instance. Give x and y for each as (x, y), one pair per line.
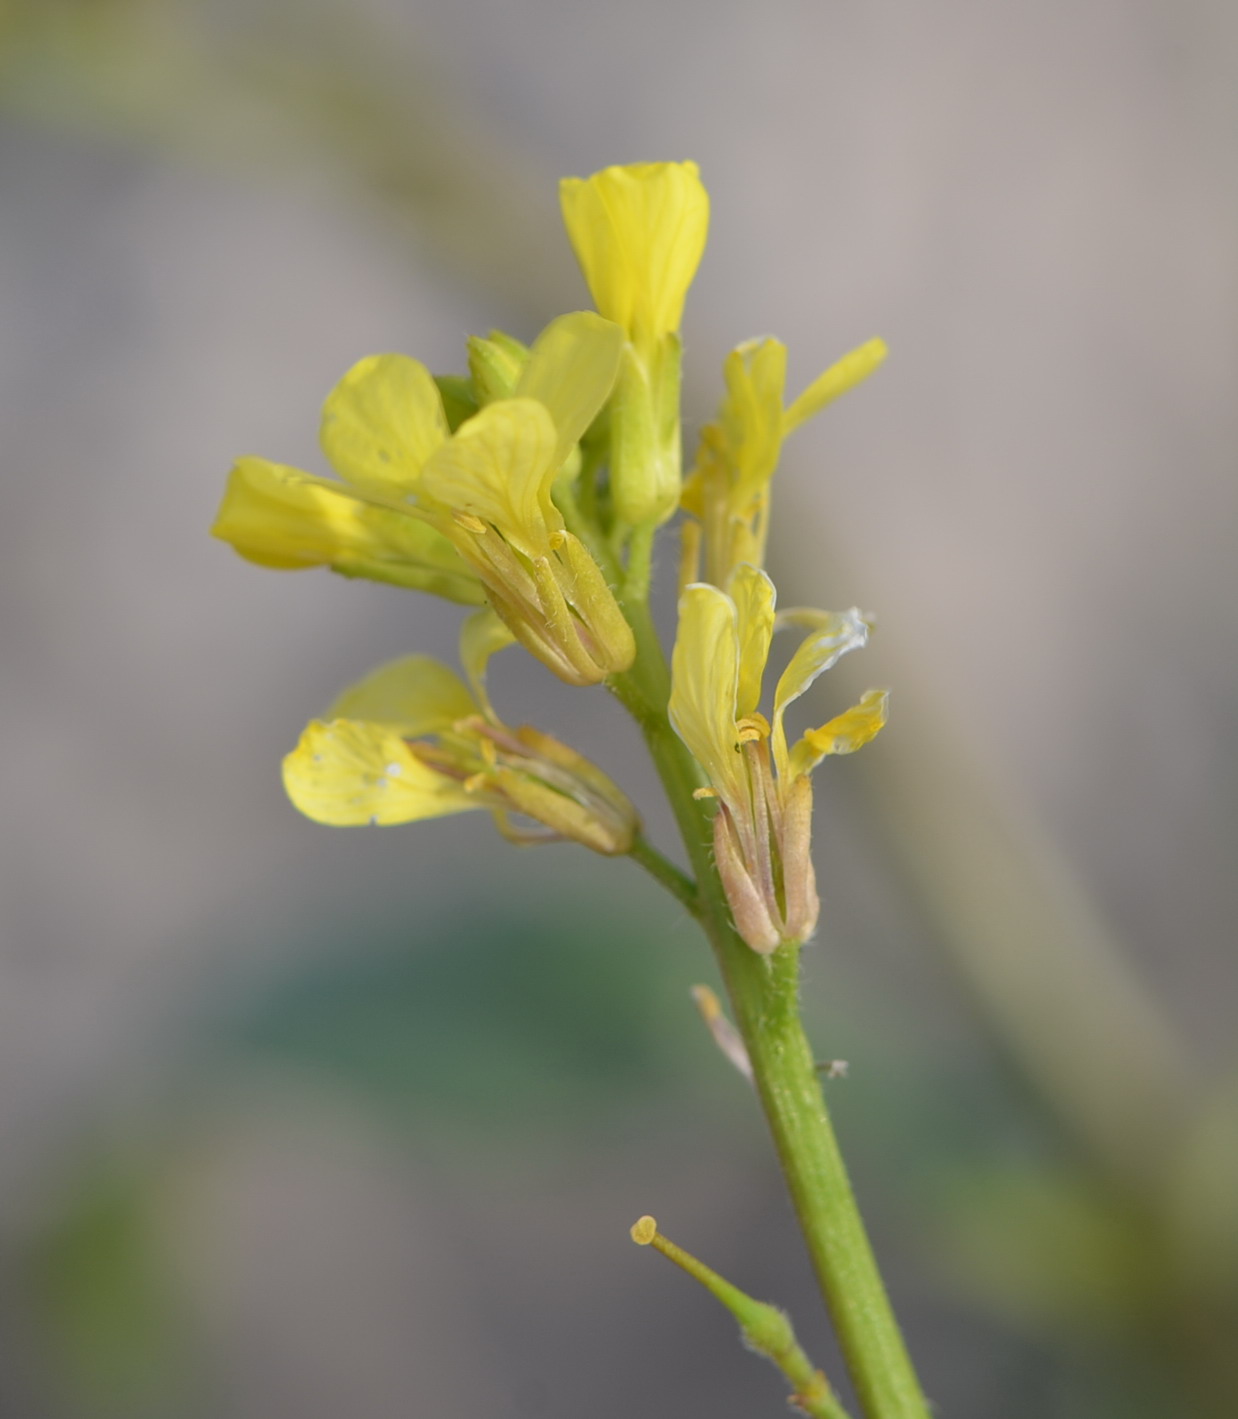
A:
(638, 232)
(644, 1230)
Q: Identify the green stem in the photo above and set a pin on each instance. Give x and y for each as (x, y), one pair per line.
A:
(678, 883)
(640, 564)
(764, 994)
(765, 1328)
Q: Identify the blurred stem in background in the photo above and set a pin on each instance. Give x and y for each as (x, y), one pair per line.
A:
(289, 85)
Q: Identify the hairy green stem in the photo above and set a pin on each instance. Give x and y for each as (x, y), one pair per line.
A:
(764, 994)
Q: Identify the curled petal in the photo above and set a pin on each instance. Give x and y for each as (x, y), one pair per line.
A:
(841, 376)
(382, 421)
(843, 734)
(834, 634)
(349, 772)
(412, 696)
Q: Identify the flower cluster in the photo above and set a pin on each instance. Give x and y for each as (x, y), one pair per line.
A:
(530, 488)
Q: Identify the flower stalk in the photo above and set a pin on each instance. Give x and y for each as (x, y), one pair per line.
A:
(765, 1328)
(764, 996)
(533, 488)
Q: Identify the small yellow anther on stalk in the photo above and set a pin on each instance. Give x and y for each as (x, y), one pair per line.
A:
(764, 1328)
(644, 1229)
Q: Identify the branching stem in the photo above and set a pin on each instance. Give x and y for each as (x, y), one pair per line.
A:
(764, 994)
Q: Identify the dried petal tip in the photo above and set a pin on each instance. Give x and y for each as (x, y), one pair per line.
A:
(644, 1231)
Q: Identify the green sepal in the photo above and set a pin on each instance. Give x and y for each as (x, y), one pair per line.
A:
(646, 473)
(462, 587)
(495, 362)
(459, 400)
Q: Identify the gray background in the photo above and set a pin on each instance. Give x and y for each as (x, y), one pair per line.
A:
(207, 212)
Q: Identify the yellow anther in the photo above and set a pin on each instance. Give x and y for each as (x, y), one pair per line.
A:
(751, 727)
(469, 522)
(704, 793)
(475, 783)
(644, 1231)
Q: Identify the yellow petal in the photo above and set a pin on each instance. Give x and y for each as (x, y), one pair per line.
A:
(412, 696)
(835, 633)
(638, 233)
(482, 636)
(382, 421)
(843, 734)
(838, 379)
(282, 518)
(704, 685)
(752, 418)
(753, 594)
(349, 772)
(499, 467)
(571, 370)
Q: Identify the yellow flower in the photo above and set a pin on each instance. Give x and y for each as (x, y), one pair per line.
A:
(379, 425)
(488, 489)
(762, 830)
(639, 233)
(469, 515)
(412, 741)
(727, 494)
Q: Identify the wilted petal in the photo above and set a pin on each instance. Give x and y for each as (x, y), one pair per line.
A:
(843, 734)
(841, 376)
(835, 633)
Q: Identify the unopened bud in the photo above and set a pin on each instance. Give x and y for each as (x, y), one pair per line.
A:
(495, 362)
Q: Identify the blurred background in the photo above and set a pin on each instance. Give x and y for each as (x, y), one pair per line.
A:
(306, 1122)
